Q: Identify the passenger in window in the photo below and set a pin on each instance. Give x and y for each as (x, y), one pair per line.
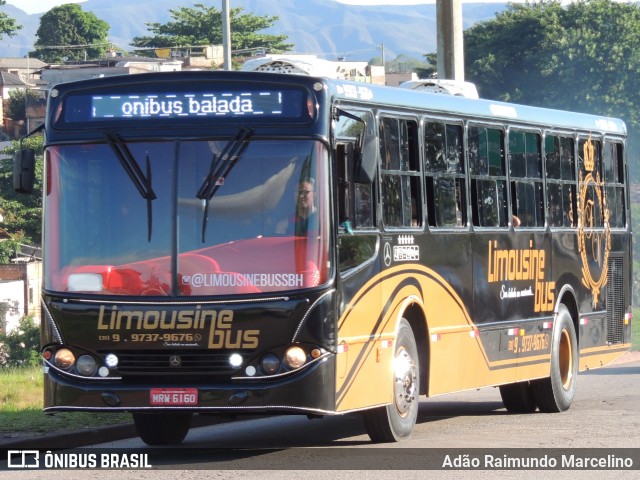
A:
(515, 221)
(305, 218)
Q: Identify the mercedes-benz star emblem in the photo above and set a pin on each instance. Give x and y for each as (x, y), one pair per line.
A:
(387, 254)
(175, 361)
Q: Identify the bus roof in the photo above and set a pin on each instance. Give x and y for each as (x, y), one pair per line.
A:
(474, 109)
(387, 97)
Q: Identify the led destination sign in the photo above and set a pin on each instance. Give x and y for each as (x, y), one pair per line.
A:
(269, 104)
(286, 103)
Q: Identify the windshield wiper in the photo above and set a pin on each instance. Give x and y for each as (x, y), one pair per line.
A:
(220, 167)
(141, 181)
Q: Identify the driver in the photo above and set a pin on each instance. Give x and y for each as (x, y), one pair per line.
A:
(306, 217)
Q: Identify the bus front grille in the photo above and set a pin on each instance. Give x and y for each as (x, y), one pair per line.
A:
(176, 363)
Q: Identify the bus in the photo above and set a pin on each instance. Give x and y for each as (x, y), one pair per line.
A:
(228, 243)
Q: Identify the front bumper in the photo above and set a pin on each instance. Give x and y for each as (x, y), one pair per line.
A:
(310, 390)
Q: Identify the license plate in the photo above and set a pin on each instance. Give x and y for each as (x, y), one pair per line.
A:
(173, 396)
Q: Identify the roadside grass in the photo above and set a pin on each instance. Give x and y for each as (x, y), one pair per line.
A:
(635, 329)
(21, 407)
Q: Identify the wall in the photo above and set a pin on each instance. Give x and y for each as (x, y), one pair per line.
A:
(11, 292)
(29, 277)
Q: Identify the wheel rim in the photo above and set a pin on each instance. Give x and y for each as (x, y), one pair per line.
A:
(565, 357)
(406, 381)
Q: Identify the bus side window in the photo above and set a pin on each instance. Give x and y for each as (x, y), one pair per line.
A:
(488, 177)
(525, 168)
(355, 206)
(400, 173)
(614, 183)
(444, 175)
(590, 162)
(344, 199)
(351, 129)
(355, 199)
(560, 163)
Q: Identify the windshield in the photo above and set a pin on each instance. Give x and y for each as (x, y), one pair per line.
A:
(186, 218)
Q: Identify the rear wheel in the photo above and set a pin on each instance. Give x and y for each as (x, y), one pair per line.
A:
(395, 421)
(555, 394)
(162, 428)
(518, 397)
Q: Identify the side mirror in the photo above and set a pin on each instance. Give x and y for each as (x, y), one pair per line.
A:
(366, 159)
(24, 165)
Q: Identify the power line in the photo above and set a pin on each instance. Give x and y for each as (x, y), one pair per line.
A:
(70, 47)
(176, 47)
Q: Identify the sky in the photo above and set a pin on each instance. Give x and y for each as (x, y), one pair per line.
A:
(38, 6)
(41, 6)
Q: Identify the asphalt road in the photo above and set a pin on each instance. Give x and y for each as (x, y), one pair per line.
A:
(604, 416)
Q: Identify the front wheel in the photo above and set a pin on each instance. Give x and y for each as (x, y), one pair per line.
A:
(395, 421)
(162, 428)
(555, 394)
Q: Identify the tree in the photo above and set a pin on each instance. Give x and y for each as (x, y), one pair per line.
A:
(202, 25)
(8, 25)
(430, 67)
(7, 306)
(20, 347)
(22, 214)
(504, 56)
(10, 247)
(68, 32)
(580, 57)
(404, 64)
(17, 103)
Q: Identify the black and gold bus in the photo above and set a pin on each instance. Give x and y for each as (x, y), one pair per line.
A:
(244, 242)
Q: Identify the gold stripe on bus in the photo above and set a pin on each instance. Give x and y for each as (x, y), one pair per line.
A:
(596, 357)
(466, 329)
(457, 361)
(364, 370)
(364, 375)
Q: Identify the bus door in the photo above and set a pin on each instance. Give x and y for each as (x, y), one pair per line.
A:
(360, 296)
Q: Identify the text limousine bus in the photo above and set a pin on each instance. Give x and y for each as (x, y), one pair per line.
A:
(245, 242)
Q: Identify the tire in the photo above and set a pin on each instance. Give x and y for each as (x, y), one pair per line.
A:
(518, 397)
(393, 422)
(555, 394)
(162, 428)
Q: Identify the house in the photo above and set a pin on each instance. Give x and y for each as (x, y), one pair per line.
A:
(11, 304)
(9, 82)
(21, 74)
(34, 106)
(20, 285)
(27, 69)
(194, 57)
(110, 66)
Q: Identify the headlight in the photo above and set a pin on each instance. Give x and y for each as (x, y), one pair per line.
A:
(111, 360)
(87, 366)
(295, 357)
(270, 364)
(235, 360)
(64, 359)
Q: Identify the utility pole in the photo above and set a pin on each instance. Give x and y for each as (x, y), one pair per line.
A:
(226, 35)
(450, 39)
(26, 92)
